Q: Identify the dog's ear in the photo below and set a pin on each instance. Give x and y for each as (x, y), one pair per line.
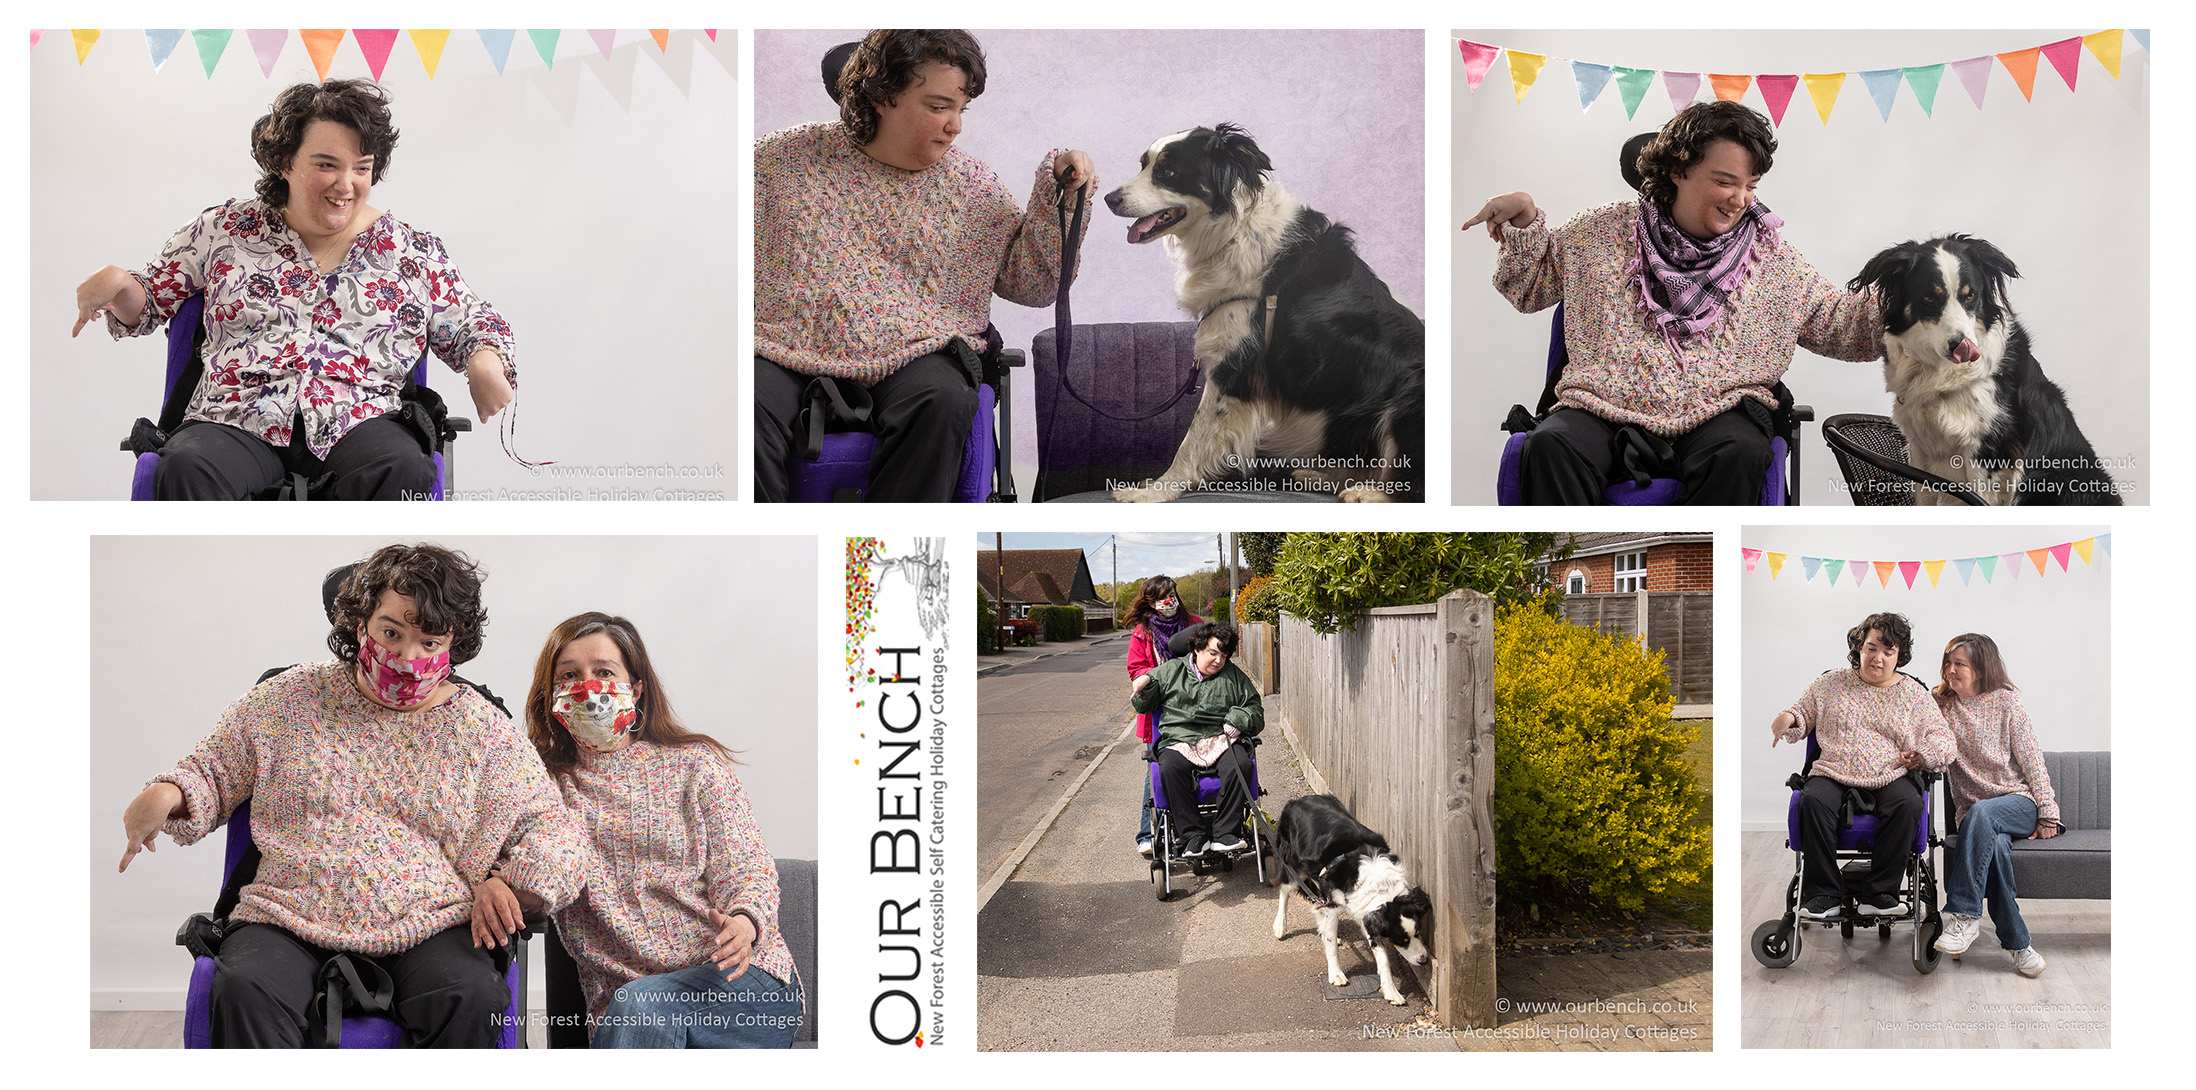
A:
(1991, 259)
(1885, 267)
(1236, 160)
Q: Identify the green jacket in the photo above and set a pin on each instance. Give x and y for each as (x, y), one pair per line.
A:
(1200, 708)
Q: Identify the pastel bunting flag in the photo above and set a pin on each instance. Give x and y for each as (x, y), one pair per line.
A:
(1924, 81)
(1809, 565)
(498, 44)
(1477, 59)
(1632, 84)
(1974, 75)
(376, 44)
(1683, 88)
(35, 35)
(161, 43)
(2142, 38)
(663, 40)
(2058, 553)
(1988, 564)
(429, 44)
(604, 39)
(1776, 563)
(2065, 57)
(1753, 557)
(1833, 567)
(1524, 69)
(2105, 46)
(1883, 86)
(1822, 88)
(1776, 91)
(1908, 569)
(1935, 568)
(2039, 556)
(712, 34)
(1860, 572)
(2021, 65)
(267, 47)
(2104, 541)
(84, 40)
(2012, 562)
(211, 44)
(1591, 78)
(321, 45)
(545, 44)
(2082, 548)
(1730, 88)
(1966, 566)
(1884, 568)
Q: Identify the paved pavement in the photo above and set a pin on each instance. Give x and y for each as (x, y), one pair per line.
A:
(1076, 953)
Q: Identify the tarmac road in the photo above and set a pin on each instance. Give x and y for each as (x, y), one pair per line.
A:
(1040, 721)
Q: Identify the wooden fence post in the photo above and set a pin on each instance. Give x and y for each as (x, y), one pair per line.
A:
(1464, 974)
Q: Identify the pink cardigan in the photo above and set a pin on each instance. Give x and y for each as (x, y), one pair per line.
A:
(1142, 659)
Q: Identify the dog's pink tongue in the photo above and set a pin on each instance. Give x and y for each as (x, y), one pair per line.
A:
(1966, 352)
(1137, 229)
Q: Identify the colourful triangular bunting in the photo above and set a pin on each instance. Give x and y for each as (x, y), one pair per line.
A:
(1833, 567)
(2082, 548)
(1822, 87)
(1776, 564)
(545, 44)
(1591, 78)
(267, 48)
(2065, 57)
(211, 44)
(1477, 59)
(429, 44)
(1966, 568)
(1935, 568)
(84, 40)
(2012, 562)
(2039, 556)
(1989, 565)
(1524, 69)
(1809, 565)
(604, 39)
(321, 45)
(1776, 91)
(2105, 46)
(663, 40)
(2021, 65)
(1729, 88)
(498, 44)
(1909, 569)
(2104, 541)
(1883, 86)
(2058, 553)
(1632, 84)
(161, 43)
(1682, 86)
(1924, 81)
(1753, 557)
(1974, 75)
(1884, 568)
(376, 45)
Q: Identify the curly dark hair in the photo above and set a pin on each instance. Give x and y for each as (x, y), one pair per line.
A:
(443, 584)
(1205, 633)
(885, 63)
(1894, 629)
(658, 724)
(356, 104)
(1681, 144)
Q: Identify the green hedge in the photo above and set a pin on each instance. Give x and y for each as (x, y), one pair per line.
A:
(1327, 579)
(987, 626)
(1059, 622)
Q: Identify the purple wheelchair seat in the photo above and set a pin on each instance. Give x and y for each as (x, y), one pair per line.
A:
(843, 467)
(1863, 829)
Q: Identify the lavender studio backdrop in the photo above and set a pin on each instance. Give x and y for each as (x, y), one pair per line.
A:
(1341, 113)
(2060, 183)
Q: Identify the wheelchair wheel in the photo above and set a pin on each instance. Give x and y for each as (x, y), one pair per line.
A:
(1776, 943)
(1883, 932)
(1926, 954)
(1845, 930)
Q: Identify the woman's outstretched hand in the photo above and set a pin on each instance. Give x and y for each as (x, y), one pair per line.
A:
(1512, 209)
(484, 376)
(1075, 169)
(109, 289)
(147, 812)
(735, 943)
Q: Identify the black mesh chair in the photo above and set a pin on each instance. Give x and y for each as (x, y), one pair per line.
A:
(1871, 453)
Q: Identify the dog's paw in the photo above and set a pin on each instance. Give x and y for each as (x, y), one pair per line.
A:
(1153, 492)
(1280, 930)
(1395, 998)
(1358, 493)
(1338, 979)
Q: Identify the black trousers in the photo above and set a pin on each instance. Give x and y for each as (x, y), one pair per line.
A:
(381, 459)
(923, 413)
(448, 994)
(1572, 457)
(1179, 777)
(1898, 816)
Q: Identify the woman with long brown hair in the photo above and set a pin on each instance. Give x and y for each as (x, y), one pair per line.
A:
(1154, 619)
(2001, 792)
(676, 933)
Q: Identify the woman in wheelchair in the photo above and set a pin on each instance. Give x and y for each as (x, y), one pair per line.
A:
(1210, 704)
(878, 247)
(318, 307)
(1681, 309)
(389, 805)
(1873, 725)
(1153, 621)
(2001, 792)
(676, 934)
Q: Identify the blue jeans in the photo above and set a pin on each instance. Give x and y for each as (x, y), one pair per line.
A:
(1982, 865)
(1143, 831)
(697, 1008)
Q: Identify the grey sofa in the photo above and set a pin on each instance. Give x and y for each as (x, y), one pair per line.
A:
(796, 920)
(2077, 863)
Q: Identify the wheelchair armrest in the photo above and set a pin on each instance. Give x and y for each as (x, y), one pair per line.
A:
(1013, 357)
(461, 423)
(1803, 412)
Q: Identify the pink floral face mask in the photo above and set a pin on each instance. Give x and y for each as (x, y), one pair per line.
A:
(599, 712)
(398, 682)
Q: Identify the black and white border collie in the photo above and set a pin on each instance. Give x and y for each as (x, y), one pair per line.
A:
(1973, 403)
(1337, 398)
(1331, 860)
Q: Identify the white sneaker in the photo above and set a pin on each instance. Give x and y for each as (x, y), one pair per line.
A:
(1143, 846)
(1959, 933)
(1229, 843)
(2028, 962)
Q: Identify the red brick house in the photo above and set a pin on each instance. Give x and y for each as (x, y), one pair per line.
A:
(1042, 577)
(1608, 563)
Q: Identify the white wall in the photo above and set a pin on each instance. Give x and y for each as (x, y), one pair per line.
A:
(2061, 184)
(591, 202)
(2055, 631)
(730, 624)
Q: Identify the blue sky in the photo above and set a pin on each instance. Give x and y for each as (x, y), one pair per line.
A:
(1141, 554)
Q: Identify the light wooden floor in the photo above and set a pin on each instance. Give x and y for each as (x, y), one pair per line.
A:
(1866, 994)
(164, 1029)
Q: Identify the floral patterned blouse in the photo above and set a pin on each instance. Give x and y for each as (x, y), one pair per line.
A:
(282, 338)
(1862, 729)
(1622, 371)
(861, 267)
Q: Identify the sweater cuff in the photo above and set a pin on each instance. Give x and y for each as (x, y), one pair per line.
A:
(200, 806)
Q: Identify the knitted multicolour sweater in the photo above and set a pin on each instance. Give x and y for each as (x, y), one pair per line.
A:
(374, 825)
(1862, 729)
(1621, 369)
(861, 267)
(1998, 754)
(673, 836)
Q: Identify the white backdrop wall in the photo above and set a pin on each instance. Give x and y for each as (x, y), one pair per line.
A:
(2055, 631)
(590, 201)
(730, 624)
(2061, 184)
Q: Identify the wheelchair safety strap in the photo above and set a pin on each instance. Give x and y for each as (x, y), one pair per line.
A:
(1063, 319)
(347, 985)
(830, 406)
(1645, 455)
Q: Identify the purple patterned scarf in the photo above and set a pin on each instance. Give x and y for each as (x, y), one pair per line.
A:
(1163, 629)
(1685, 281)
